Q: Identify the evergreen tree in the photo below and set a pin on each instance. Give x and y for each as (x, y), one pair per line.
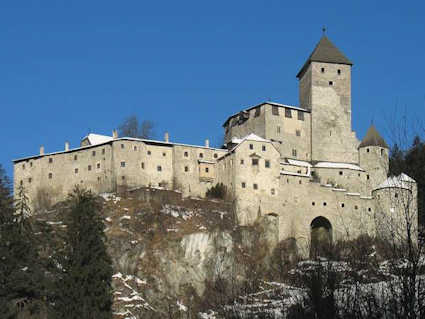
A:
(83, 289)
(21, 274)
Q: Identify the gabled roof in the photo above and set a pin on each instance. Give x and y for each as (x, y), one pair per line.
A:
(373, 138)
(325, 51)
(97, 138)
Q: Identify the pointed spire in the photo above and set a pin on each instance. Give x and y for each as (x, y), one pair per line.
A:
(325, 51)
(373, 138)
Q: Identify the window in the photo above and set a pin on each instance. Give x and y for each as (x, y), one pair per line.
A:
(395, 195)
(89, 168)
(149, 153)
(275, 110)
(103, 151)
(294, 153)
(369, 209)
(313, 203)
(339, 72)
(288, 113)
(255, 186)
(23, 166)
(98, 178)
(93, 153)
(30, 164)
(272, 191)
(76, 171)
(242, 162)
(341, 172)
(123, 177)
(50, 160)
(367, 150)
(134, 148)
(257, 112)
(163, 154)
(243, 184)
(159, 168)
(122, 145)
(297, 132)
(142, 165)
(322, 70)
(122, 164)
(206, 169)
(278, 130)
(98, 165)
(267, 163)
(215, 155)
(382, 151)
(29, 180)
(50, 175)
(263, 148)
(21, 182)
(367, 176)
(342, 205)
(75, 157)
(251, 146)
(356, 207)
(330, 133)
(186, 168)
(331, 83)
(201, 155)
(300, 182)
(300, 115)
(255, 161)
(324, 203)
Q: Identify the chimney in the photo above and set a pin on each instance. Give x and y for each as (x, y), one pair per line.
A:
(207, 143)
(114, 134)
(166, 137)
(66, 146)
(41, 150)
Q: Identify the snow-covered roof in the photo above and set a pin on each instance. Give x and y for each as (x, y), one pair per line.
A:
(338, 165)
(206, 162)
(297, 163)
(95, 139)
(400, 181)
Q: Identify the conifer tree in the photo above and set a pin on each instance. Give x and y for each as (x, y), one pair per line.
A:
(83, 288)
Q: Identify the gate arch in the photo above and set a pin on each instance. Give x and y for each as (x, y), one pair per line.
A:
(321, 236)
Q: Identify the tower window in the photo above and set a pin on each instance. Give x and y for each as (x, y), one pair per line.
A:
(322, 70)
(288, 113)
(301, 115)
(339, 72)
(331, 83)
(275, 110)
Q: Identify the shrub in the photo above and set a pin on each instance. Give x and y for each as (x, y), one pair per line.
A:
(218, 191)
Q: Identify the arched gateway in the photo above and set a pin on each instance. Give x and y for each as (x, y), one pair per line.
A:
(321, 236)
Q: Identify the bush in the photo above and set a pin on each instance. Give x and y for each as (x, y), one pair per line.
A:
(218, 191)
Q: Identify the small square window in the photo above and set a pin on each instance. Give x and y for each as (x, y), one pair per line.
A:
(255, 161)
(186, 154)
(29, 180)
(288, 113)
(369, 209)
(356, 207)
(186, 168)
(50, 160)
(159, 168)
(206, 169)
(255, 186)
(50, 175)
(89, 168)
(215, 155)
(267, 163)
(98, 165)
(163, 154)
(297, 132)
(331, 83)
(242, 161)
(272, 191)
(134, 148)
(367, 150)
(263, 148)
(149, 153)
(142, 165)
(251, 146)
(341, 172)
(201, 155)
(122, 164)
(257, 112)
(322, 70)
(123, 177)
(275, 110)
(300, 115)
(122, 145)
(75, 157)
(76, 170)
(339, 72)
(243, 184)
(342, 205)
(93, 153)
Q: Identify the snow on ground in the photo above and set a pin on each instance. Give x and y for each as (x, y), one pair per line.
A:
(110, 197)
(176, 211)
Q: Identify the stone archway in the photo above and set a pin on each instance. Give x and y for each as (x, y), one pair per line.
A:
(321, 237)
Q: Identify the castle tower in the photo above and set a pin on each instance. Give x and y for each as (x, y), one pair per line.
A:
(373, 158)
(325, 90)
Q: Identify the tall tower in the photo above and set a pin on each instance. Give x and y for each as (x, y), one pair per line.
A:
(325, 90)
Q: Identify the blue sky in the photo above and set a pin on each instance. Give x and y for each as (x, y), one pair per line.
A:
(73, 67)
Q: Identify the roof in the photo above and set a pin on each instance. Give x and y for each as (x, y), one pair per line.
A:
(97, 138)
(338, 165)
(373, 138)
(325, 51)
(270, 103)
(400, 181)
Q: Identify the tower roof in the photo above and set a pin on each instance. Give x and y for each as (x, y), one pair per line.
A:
(325, 51)
(373, 138)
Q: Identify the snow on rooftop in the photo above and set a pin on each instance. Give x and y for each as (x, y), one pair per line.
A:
(338, 165)
(400, 181)
(253, 137)
(95, 139)
(298, 163)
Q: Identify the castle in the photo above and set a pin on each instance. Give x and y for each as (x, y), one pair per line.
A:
(300, 166)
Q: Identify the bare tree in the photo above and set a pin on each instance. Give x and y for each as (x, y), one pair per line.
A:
(132, 127)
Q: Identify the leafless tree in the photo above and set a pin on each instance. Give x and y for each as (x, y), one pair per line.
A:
(132, 127)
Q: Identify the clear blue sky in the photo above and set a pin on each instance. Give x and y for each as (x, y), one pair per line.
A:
(73, 67)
